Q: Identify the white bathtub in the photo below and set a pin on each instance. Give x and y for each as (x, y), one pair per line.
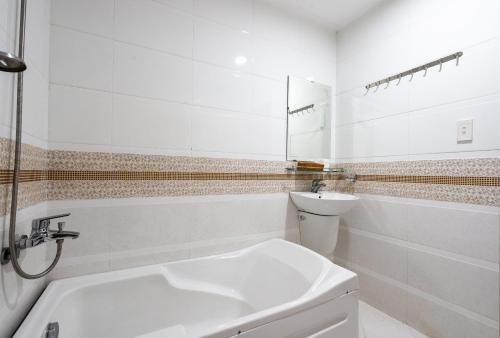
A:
(273, 289)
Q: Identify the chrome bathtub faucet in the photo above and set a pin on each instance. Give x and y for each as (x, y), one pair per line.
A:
(316, 185)
(41, 233)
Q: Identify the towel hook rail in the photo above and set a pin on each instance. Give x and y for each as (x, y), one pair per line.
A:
(439, 62)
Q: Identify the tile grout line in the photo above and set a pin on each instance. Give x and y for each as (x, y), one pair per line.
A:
(407, 244)
(450, 306)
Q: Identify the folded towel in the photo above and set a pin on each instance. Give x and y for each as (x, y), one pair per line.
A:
(308, 165)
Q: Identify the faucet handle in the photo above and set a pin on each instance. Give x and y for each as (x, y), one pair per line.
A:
(48, 218)
(61, 225)
(40, 225)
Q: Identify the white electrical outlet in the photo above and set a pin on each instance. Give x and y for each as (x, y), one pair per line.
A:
(464, 131)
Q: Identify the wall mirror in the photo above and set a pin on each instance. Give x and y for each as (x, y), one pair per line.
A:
(308, 120)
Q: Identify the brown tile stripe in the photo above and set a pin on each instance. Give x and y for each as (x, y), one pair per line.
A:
(92, 175)
(450, 180)
(26, 176)
(170, 175)
(73, 175)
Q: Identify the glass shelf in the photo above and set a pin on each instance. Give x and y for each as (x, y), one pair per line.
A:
(324, 171)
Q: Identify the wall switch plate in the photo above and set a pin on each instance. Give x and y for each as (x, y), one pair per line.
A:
(464, 131)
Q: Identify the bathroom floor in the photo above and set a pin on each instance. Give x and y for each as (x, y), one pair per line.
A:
(376, 324)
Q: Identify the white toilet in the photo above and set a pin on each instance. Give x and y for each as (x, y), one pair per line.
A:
(319, 233)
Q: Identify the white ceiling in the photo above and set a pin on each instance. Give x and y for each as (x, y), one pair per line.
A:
(334, 14)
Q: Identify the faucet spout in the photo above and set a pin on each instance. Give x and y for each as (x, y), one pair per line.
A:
(317, 185)
(63, 234)
(60, 233)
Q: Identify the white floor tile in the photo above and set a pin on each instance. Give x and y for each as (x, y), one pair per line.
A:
(376, 324)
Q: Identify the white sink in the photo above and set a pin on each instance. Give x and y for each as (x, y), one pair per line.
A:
(324, 203)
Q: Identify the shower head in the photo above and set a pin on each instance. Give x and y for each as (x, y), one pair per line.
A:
(11, 63)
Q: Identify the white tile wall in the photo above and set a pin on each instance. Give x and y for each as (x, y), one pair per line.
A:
(37, 37)
(383, 256)
(237, 14)
(247, 134)
(216, 44)
(453, 281)
(35, 107)
(126, 232)
(218, 58)
(382, 217)
(435, 319)
(416, 257)
(454, 230)
(8, 24)
(88, 122)
(185, 5)
(222, 88)
(80, 60)
(435, 129)
(269, 97)
(404, 34)
(446, 284)
(153, 25)
(35, 78)
(382, 295)
(161, 123)
(373, 138)
(17, 295)
(148, 73)
(92, 16)
(461, 30)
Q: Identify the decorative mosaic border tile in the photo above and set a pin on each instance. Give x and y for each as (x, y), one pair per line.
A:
(60, 175)
(484, 195)
(80, 161)
(30, 193)
(32, 158)
(477, 167)
(63, 190)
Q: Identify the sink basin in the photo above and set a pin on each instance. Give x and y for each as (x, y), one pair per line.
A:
(324, 203)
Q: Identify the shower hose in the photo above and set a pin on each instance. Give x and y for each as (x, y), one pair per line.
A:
(17, 166)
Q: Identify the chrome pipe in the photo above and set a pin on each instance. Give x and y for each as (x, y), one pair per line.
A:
(14, 250)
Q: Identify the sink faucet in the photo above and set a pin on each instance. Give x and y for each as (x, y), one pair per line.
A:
(41, 233)
(317, 184)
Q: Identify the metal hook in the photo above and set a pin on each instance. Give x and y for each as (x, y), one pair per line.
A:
(440, 65)
(425, 71)
(367, 90)
(387, 84)
(399, 80)
(411, 77)
(458, 59)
